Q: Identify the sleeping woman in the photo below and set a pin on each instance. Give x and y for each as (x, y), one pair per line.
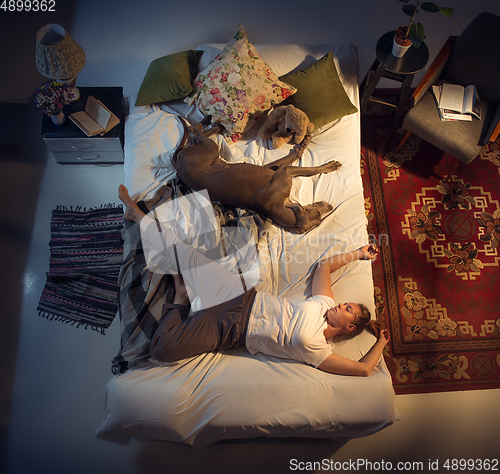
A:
(234, 316)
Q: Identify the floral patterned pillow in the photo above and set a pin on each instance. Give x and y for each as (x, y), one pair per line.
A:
(238, 86)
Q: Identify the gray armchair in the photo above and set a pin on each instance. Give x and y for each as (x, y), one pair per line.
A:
(471, 58)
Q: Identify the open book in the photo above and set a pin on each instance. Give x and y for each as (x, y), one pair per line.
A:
(457, 102)
(96, 119)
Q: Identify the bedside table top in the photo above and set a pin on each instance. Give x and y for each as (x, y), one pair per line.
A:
(411, 62)
(111, 97)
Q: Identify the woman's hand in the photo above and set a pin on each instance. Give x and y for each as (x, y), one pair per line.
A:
(336, 364)
(368, 252)
(321, 284)
(384, 337)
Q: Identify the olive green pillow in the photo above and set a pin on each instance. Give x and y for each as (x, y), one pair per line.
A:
(320, 93)
(169, 78)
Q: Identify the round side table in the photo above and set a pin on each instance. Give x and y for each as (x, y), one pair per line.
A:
(397, 69)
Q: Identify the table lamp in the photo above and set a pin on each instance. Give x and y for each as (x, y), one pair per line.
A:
(59, 56)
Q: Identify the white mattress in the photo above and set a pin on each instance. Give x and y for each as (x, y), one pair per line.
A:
(235, 395)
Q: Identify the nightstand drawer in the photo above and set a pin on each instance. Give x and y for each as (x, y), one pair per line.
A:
(73, 145)
(70, 145)
(89, 157)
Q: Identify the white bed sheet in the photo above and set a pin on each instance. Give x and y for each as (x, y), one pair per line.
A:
(235, 395)
(220, 396)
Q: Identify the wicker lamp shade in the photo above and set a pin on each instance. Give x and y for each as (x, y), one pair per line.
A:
(58, 55)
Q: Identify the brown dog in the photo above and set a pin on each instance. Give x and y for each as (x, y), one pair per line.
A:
(263, 189)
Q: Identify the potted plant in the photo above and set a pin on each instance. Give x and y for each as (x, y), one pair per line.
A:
(413, 33)
(52, 97)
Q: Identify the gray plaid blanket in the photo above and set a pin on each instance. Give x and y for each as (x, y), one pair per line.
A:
(143, 294)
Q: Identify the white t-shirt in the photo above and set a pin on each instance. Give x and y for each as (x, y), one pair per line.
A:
(289, 329)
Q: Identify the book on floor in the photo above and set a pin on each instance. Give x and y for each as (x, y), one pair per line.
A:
(96, 119)
(456, 102)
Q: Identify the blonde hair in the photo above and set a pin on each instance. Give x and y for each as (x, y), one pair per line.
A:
(362, 321)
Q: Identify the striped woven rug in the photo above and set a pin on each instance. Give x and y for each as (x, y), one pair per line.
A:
(85, 257)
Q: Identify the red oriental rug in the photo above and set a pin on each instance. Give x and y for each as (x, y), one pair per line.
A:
(436, 281)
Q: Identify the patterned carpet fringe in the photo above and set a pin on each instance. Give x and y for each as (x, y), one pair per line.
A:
(110, 205)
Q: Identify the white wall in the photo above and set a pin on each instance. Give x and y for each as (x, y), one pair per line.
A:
(121, 37)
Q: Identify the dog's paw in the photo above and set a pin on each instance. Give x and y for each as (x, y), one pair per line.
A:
(332, 166)
(324, 208)
(306, 141)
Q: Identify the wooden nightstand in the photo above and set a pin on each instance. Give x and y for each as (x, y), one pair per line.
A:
(70, 145)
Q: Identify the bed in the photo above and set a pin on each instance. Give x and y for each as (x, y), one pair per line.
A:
(219, 396)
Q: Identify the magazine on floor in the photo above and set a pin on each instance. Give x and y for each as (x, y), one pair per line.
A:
(456, 102)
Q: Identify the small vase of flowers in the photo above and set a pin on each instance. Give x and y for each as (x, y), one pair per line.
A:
(51, 98)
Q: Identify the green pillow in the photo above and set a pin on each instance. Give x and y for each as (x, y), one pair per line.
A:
(169, 78)
(320, 93)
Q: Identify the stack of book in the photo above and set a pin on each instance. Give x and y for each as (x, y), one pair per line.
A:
(456, 102)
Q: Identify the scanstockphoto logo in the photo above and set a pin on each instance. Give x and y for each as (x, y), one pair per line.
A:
(184, 236)
(314, 246)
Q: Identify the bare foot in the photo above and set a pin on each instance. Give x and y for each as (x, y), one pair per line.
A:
(181, 295)
(132, 211)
